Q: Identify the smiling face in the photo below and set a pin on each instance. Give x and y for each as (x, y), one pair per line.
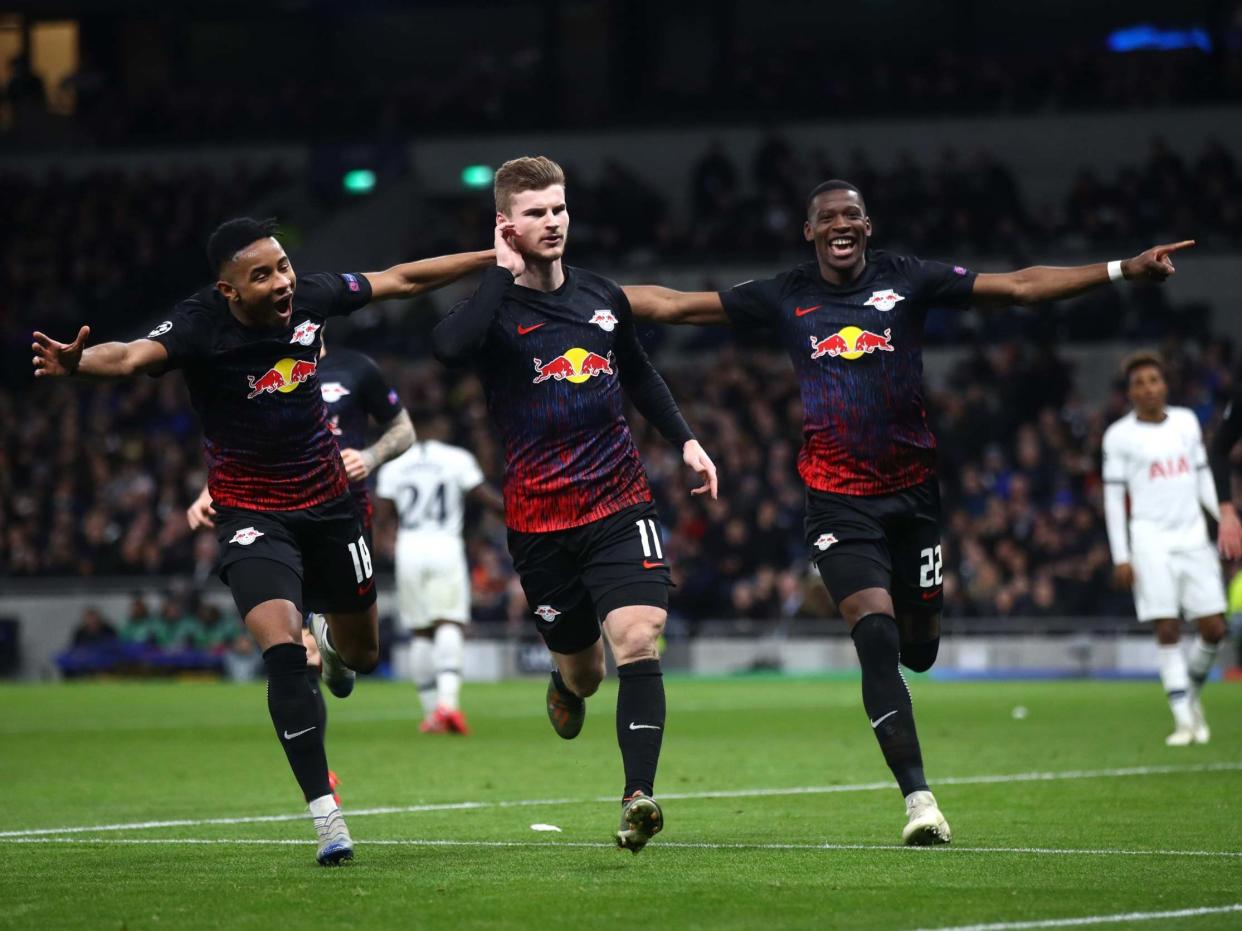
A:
(838, 224)
(258, 283)
(541, 219)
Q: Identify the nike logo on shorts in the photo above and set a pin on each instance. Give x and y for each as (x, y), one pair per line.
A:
(366, 587)
(289, 736)
(648, 564)
(639, 727)
(882, 718)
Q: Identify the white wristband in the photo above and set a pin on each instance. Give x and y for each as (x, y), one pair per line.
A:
(1114, 271)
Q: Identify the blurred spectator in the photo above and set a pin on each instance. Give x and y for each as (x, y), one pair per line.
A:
(93, 630)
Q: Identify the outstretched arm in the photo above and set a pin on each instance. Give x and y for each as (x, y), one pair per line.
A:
(664, 305)
(411, 278)
(1050, 283)
(463, 331)
(107, 360)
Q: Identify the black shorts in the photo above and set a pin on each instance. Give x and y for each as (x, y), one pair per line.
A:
(879, 541)
(573, 578)
(324, 545)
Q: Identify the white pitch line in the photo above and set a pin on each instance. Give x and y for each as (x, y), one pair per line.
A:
(720, 793)
(681, 845)
(1097, 919)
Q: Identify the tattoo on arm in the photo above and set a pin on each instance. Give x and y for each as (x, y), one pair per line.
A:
(394, 441)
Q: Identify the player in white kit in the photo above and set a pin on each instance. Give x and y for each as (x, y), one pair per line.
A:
(429, 484)
(1156, 454)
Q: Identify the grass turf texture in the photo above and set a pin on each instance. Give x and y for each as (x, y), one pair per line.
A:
(85, 755)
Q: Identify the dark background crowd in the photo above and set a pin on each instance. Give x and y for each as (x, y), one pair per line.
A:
(96, 484)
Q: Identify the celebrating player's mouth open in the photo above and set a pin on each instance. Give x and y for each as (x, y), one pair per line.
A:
(290, 533)
(557, 353)
(852, 323)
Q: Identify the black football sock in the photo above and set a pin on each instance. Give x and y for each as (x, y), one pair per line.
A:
(312, 676)
(292, 707)
(887, 700)
(640, 723)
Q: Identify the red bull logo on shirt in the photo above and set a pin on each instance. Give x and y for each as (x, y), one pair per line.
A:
(851, 342)
(284, 377)
(574, 365)
(304, 333)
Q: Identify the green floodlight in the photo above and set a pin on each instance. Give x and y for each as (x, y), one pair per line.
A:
(477, 176)
(359, 181)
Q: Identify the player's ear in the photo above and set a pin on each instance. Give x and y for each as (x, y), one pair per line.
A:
(867, 225)
(808, 231)
(230, 293)
(501, 219)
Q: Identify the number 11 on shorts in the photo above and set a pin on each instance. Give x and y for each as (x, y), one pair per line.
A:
(362, 559)
(643, 526)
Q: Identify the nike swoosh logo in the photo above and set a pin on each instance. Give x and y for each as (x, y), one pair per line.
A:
(523, 330)
(803, 311)
(648, 564)
(928, 596)
(289, 736)
(363, 589)
(639, 727)
(882, 718)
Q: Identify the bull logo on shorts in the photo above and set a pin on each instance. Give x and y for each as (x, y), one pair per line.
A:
(547, 613)
(825, 540)
(246, 536)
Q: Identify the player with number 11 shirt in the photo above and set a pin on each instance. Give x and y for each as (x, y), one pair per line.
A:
(852, 324)
(290, 535)
(557, 352)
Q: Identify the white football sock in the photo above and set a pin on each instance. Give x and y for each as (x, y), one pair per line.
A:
(323, 806)
(449, 649)
(1202, 656)
(1176, 681)
(423, 668)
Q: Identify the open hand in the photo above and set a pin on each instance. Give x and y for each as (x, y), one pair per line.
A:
(694, 456)
(52, 357)
(1154, 264)
(507, 255)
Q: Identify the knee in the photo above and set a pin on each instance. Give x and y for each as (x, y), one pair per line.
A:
(1213, 630)
(919, 657)
(638, 640)
(362, 659)
(1168, 632)
(585, 681)
(876, 636)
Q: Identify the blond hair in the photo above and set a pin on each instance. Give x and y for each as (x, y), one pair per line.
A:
(528, 173)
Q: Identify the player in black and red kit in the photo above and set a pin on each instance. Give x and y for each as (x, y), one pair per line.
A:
(353, 390)
(556, 350)
(289, 533)
(852, 323)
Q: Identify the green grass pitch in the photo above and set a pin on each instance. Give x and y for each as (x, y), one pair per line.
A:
(775, 816)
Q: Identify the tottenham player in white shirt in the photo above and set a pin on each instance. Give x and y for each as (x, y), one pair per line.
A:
(1156, 454)
(429, 484)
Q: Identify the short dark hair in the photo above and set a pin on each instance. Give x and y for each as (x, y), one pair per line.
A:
(836, 184)
(1142, 359)
(232, 236)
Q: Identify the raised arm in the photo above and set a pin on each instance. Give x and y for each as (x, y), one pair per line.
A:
(664, 305)
(411, 278)
(1050, 283)
(464, 330)
(105, 361)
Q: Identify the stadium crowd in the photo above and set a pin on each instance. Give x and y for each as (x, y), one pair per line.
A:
(952, 202)
(482, 89)
(98, 482)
